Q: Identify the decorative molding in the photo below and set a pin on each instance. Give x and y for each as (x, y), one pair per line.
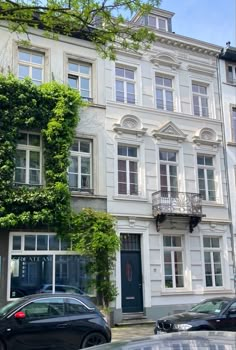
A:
(207, 136)
(201, 69)
(169, 131)
(129, 124)
(165, 59)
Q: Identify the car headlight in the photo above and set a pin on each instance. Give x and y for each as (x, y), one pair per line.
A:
(182, 326)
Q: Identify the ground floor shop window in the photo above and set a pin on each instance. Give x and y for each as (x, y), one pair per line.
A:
(42, 263)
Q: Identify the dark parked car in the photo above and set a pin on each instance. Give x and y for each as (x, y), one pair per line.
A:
(52, 321)
(203, 340)
(211, 314)
(60, 288)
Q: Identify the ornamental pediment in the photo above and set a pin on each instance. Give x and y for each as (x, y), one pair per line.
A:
(169, 131)
(206, 136)
(165, 59)
(129, 124)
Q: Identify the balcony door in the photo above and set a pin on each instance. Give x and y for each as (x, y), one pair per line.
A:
(168, 173)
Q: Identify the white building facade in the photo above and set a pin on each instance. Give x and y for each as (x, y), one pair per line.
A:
(149, 150)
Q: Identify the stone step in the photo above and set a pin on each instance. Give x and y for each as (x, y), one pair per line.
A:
(135, 319)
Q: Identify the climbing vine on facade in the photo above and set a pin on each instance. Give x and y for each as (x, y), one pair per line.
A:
(52, 110)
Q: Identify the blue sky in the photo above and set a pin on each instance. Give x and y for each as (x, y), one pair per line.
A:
(213, 21)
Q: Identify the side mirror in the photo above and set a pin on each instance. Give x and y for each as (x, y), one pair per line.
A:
(20, 315)
(232, 312)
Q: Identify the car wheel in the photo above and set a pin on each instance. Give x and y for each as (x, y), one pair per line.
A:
(93, 339)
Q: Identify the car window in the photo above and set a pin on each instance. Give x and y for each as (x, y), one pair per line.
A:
(232, 306)
(210, 307)
(74, 307)
(8, 307)
(44, 308)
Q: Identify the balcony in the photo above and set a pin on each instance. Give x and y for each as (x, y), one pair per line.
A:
(167, 203)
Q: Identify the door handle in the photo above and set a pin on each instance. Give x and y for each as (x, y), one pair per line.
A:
(63, 325)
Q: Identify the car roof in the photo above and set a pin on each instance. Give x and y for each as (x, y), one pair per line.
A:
(82, 298)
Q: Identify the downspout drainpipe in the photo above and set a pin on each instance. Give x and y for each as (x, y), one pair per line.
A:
(226, 169)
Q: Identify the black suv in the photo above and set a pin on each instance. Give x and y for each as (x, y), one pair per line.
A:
(211, 314)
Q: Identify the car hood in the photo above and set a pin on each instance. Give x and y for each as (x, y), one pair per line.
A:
(186, 317)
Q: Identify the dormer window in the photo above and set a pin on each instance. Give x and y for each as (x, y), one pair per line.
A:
(158, 23)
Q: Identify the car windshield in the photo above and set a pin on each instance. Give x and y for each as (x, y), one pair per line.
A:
(209, 307)
(8, 307)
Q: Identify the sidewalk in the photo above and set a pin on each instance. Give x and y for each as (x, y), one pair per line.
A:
(131, 332)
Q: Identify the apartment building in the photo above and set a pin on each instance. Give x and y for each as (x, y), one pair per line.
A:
(149, 150)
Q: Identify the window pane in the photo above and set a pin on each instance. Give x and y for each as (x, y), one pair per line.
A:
(34, 160)
(53, 242)
(22, 139)
(16, 244)
(84, 84)
(20, 175)
(133, 189)
(200, 160)
(152, 21)
(162, 24)
(130, 98)
(167, 241)
(159, 81)
(42, 242)
(211, 196)
(122, 189)
(203, 90)
(20, 158)
(209, 281)
(24, 56)
(73, 181)
(163, 155)
(120, 71)
(84, 69)
(121, 165)
(208, 269)
(207, 242)
(168, 269)
(216, 257)
(23, 71)
(85, 165)
(73, 81)
(71, 272)
(73, 168)
(176, 241)
(36, 74)
(163, 169)
(129, 73)
(73, 67)
(215, 242)
(179, 280)
(85, 146)
(75, 146)
(37, 58)
(34, 140)
(167, 255)
(133, 166)
(168, 82)
(85, 181)
(29, 274)
(132, 151)
(168, 282)
(218, 281)
(173, 170)
(30, 241)
(34, 177)
(195, 88)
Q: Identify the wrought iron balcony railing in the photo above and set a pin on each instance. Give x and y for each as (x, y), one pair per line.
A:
(179, 203)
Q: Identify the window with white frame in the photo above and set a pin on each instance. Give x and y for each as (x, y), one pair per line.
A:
(128, 170)
(43, 262)
(200, 100)
(79, 77)
(168, 172)
(28, 160)
(31, 64)
(125, 85)
(164, 93)
(206, 177)
(173, 261)
(80, 169)
(233, 123)
(212, 261)
(231, 73)
(158, 22)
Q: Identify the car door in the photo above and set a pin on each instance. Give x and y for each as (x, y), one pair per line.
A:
(43, 327)
(82, 321)
(230, 318)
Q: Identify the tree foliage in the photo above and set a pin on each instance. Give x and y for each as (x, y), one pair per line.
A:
(95, 237)
(106, 23)
(52, 110)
